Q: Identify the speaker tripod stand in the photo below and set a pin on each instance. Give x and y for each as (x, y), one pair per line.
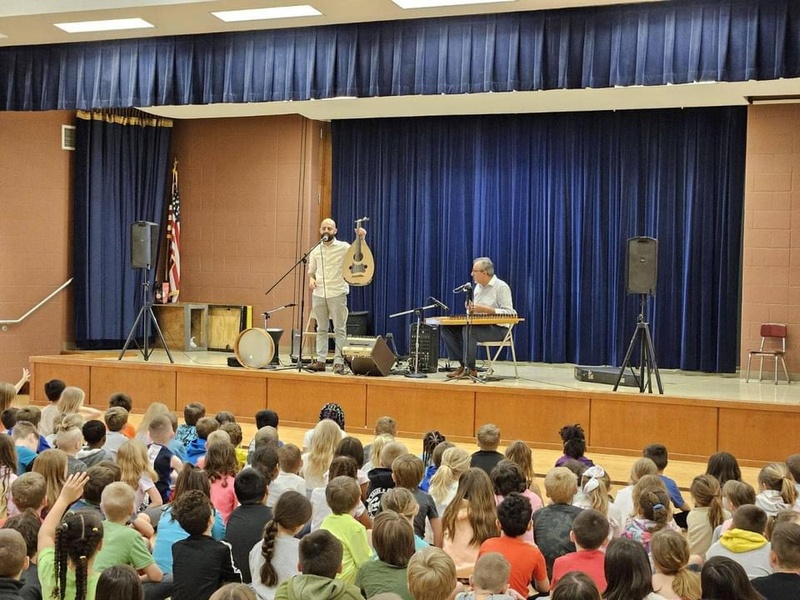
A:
(647, 354)
(145, 318)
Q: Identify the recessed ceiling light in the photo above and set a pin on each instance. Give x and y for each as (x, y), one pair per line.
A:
(408, 4)
(109, 25)
(258, 14)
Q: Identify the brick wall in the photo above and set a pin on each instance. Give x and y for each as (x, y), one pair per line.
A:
(771, 257)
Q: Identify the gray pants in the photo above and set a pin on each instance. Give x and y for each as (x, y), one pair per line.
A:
(330, 309)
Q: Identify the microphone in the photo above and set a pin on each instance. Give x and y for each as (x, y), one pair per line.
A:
(463, 288)
(441, 305)
(326, 237)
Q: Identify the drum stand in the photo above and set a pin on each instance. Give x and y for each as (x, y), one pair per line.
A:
(417, 311)
(647, 356)
(267, 314)
(145, 318)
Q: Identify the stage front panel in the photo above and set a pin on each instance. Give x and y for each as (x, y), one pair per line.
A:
(766, 435)
(298, 399)
(143, 386)
(243, 396)
(418, 408)
(71, 374)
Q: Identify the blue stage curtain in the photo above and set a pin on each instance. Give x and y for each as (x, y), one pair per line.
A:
(552, 199)
(651, 43)
(120, 176)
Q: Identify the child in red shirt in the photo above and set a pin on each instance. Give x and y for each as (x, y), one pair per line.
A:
(589, 533)
(526, 560)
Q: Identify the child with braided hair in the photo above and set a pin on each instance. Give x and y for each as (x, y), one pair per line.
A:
(430, 440)
(653, 511)
(275, 558)
(68, 545)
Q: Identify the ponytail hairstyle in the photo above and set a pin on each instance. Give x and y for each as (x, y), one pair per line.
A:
(594, 487)
(776, 476)
(221, 461)
(455, 461)
(670, 552)
(574, 438)
(706, 493)
(401, 501)
(430, 440)
(292, 510)
(655, 507)
(647, 483)
(70, 402)
(78, 538)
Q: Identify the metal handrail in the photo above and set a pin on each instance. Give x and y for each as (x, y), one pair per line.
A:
(5, 322)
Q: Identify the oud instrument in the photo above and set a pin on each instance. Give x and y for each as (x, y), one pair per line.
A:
(359, 264)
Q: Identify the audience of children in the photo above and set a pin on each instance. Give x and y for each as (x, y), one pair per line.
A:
(575, 586)
(274, 559)
(13, 561)
(383, 426)
(120, 582)
(124, 401)
(28, 525)
(484, 521)
(331, 412)
(52, 390)
(187, 432)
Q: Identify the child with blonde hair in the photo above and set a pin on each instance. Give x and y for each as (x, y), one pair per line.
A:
(8, 472)
(776, 489)
(136, 471)
(316, 461)
(402, 501)
(221, 467)
(672, 579)
(553, 523)
(520, 453)
(432, 575)
(155, 409)
(469, 520)
(624, 498)
(734, 494)
(71, 402)
(593, 493)
(52, 465)
(488, 439)
(455, 461)
(707, 514)
(376, 447)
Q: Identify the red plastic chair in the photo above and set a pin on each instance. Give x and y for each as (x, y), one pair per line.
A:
(773, 345)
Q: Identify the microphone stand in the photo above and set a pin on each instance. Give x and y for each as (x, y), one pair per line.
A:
(417, 311)
(466, 336)
(304, 260)
(267, 315)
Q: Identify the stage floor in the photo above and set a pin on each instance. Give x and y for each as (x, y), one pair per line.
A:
(542, 376)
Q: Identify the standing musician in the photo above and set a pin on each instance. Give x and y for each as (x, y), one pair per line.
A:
(329, 293)
(492, 296)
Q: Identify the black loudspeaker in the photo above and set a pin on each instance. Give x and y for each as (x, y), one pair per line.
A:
(368, 356)
(642, 265)
(428, 348)
(144, 244)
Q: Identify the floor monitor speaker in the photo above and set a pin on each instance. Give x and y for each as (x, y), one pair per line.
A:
(368, 356)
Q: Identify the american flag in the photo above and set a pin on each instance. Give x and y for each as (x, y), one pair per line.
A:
(174, 238)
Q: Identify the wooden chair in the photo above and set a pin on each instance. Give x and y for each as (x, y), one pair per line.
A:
(506, 342)
(773, 345)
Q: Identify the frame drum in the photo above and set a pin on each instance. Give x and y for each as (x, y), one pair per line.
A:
(254, 348)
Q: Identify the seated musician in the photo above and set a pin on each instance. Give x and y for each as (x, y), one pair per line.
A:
(491, 296)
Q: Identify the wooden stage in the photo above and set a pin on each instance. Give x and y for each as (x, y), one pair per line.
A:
(698, 415)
